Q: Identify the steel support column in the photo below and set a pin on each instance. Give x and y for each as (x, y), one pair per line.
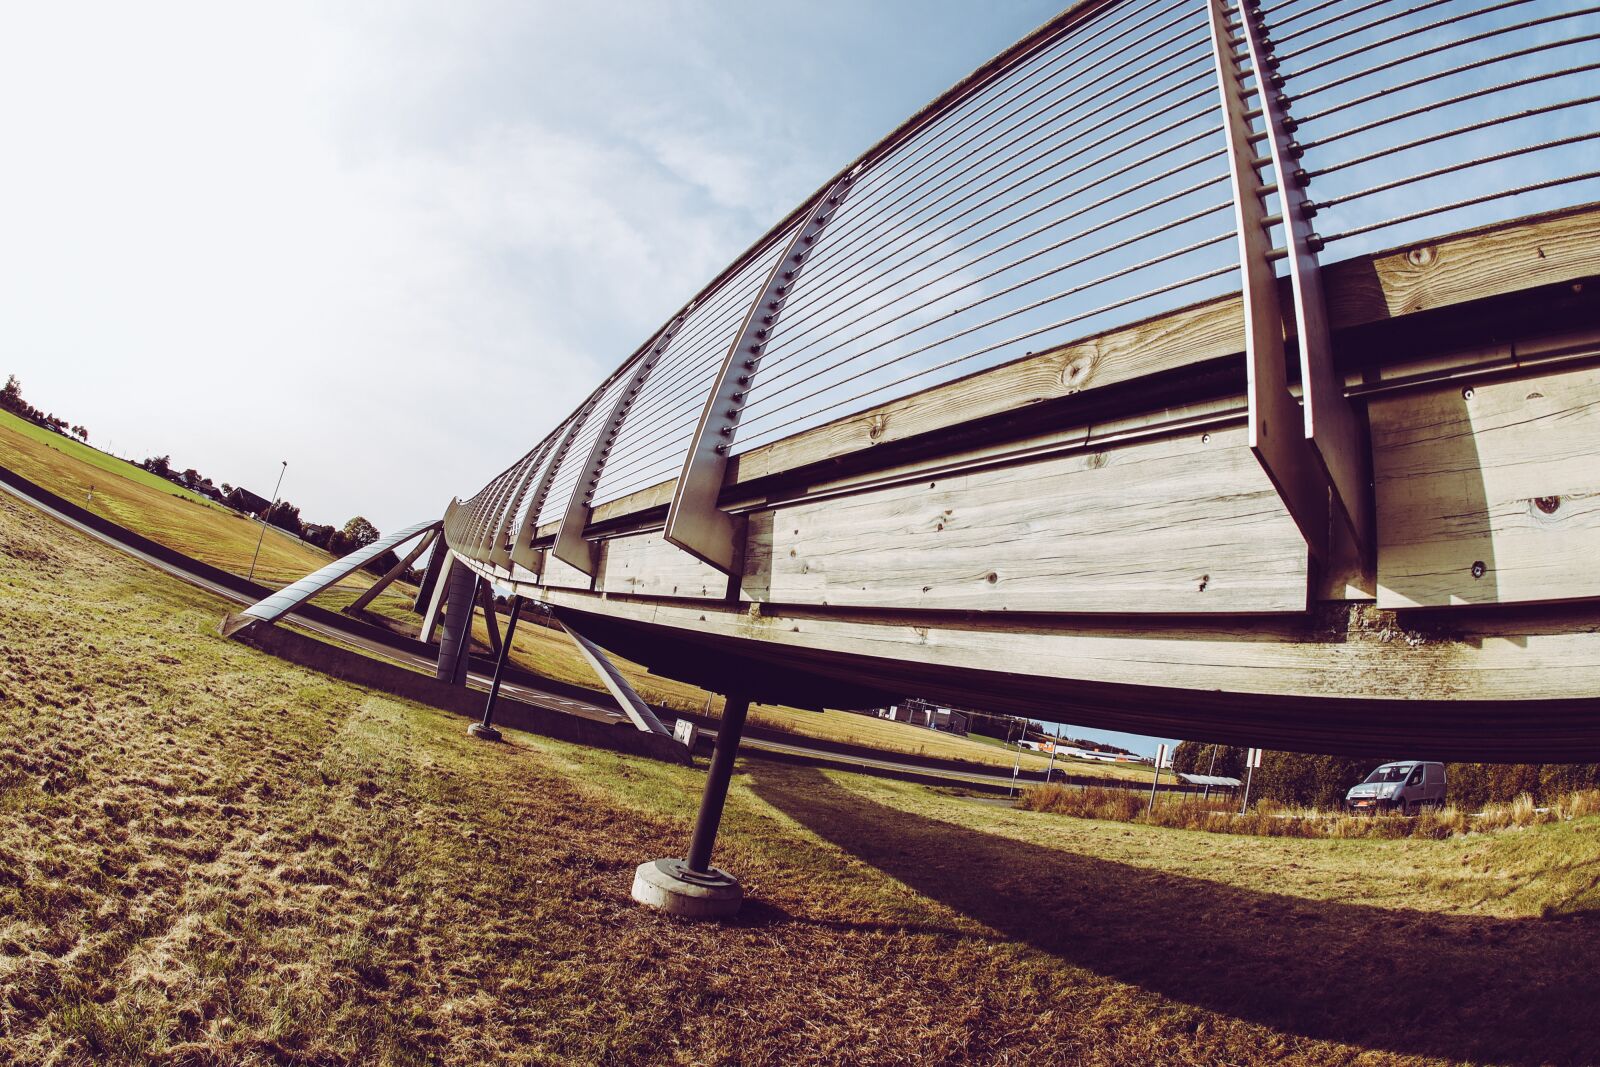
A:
(484, 728)
(734, 709)
(389, 577)
(430, 576)
(490, 622)
(694, 521)
(453, 647)
(692, 887)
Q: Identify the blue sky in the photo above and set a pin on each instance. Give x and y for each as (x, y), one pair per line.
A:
(396, 243)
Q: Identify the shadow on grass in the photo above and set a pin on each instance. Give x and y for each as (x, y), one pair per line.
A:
(1412, 982)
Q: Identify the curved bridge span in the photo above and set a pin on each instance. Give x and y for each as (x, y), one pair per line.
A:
(1227, 372)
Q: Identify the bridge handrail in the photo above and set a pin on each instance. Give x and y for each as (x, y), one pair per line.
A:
(1075, 184)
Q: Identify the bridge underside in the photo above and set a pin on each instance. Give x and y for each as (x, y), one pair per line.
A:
(1377, 700)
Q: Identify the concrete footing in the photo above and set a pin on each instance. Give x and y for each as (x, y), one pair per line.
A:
(483, 732)
(670, 886)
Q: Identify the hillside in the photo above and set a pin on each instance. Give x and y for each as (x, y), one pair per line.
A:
(207, 855)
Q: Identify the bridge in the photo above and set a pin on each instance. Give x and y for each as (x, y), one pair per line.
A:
(1196, 368)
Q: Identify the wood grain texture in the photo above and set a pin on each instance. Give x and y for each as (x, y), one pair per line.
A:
(1180, 524)
(646, 565)
(561, 575)
(1489, 493)
(1469, 266)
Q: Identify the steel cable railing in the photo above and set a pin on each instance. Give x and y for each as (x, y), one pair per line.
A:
(1448, 130)
(1080, 185)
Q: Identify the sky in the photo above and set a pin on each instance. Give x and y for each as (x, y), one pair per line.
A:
(394, 244)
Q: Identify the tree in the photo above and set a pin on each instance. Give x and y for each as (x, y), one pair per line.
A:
(11, 394)
(361, 532)
(1194, 757)
(285, 516)
(160, 466)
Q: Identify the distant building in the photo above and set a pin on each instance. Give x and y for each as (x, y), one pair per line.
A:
(242, 499)
(927, 714)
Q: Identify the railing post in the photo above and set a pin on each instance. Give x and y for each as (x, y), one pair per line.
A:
(500, 548)
(1338, 439)
(522, 551)
(484, 728)
(571, 547)
(1311, 448)
(1276, 437)
(694, 522)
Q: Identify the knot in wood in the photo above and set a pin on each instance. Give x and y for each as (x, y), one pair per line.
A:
(1421, 256)
(1077, 371)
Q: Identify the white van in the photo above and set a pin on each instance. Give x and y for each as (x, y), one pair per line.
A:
(1399, 787)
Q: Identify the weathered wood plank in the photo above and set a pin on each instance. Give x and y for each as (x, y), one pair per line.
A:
(1181, 524)
(1489, 493)
(1464, 267)
(645, 565)
(561, 575)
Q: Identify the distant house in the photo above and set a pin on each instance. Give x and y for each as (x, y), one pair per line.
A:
(925, 713)
(242, 499)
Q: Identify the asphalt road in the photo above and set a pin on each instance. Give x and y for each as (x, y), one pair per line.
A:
(791, 749)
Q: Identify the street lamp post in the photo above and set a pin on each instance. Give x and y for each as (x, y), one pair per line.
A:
(262, 536)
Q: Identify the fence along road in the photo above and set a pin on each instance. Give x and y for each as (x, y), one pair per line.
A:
(1191, 368)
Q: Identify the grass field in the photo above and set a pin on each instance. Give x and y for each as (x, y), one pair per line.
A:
(166, 513)
(170, 515)
(210, 856)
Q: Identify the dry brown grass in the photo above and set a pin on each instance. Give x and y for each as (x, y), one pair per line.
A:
(211, 857)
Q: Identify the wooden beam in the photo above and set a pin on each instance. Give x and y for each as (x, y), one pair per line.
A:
(645, 565)
(1186, 523)
(1351, 654)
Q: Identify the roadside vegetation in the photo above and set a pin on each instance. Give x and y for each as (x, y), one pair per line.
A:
(1269, 819)
(211, 856)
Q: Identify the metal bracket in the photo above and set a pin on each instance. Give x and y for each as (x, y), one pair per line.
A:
(1306, 450)
(500, 548)
(633, 706)
(571, 547)
(476, 546)
(694, 521)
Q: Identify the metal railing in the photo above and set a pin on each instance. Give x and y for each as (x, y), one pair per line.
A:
(1089, 178)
